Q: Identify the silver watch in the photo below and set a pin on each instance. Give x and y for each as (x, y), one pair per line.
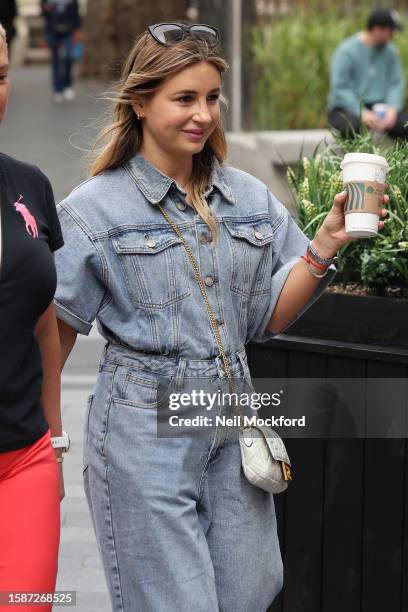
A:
(61, 442)
(327, 261)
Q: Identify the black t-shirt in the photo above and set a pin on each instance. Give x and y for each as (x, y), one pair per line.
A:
(30, 231)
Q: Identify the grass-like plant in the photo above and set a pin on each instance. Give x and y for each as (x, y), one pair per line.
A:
(380, 263)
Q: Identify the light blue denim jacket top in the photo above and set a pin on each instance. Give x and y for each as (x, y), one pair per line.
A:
(125, 266)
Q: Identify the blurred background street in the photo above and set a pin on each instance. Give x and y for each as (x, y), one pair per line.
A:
(47, 134)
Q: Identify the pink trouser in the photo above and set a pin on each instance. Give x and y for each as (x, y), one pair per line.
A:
(29, 521)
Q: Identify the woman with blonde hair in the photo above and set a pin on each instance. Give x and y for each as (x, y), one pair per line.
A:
(161, 222)
(31, 482)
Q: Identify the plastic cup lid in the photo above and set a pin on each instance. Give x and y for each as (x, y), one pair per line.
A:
(364, 158)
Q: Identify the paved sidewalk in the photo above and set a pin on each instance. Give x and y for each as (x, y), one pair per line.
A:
(39, 131)
(79, 567)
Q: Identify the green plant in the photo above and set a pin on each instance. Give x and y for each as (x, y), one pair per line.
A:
(376, 263)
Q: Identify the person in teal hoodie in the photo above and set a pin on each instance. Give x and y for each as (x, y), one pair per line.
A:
(367, 84)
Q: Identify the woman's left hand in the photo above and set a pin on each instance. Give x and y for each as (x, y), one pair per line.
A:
(332, 233)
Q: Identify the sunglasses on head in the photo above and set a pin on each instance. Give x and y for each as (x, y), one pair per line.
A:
(171, 33)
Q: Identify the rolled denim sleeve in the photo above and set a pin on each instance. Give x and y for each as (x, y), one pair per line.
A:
(80, 285)
(289, 244)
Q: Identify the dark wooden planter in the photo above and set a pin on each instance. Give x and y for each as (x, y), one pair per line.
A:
(343, 523)
(381, 321)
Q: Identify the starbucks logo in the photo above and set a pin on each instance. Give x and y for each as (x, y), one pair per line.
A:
(370, 189)
(355, 200)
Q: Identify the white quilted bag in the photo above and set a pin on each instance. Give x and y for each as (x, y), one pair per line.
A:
(265, 460)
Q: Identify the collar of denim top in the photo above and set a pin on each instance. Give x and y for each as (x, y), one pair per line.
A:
(155, 185)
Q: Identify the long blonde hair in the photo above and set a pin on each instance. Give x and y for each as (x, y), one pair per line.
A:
(145, 69)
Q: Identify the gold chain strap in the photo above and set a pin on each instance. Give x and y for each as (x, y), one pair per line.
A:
(213, 321)
(286, 470)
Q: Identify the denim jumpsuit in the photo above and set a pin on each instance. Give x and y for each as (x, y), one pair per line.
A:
(178, 525)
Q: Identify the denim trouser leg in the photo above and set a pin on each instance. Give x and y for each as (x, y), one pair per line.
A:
(178, 525)
(67, 61)
(61, 62)
(241, 533)
(55, 67)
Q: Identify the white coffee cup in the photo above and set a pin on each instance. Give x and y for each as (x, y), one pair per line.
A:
(364, 180)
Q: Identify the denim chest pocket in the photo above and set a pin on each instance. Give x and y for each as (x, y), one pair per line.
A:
(251, 246)
(154, 265)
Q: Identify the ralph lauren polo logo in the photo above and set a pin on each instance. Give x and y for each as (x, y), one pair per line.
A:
(30, 222)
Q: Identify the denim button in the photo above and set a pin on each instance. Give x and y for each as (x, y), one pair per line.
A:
(258, 235)
(209, 281)
(203, 238)
(181, 206)
(151, 242)
(220, 321)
